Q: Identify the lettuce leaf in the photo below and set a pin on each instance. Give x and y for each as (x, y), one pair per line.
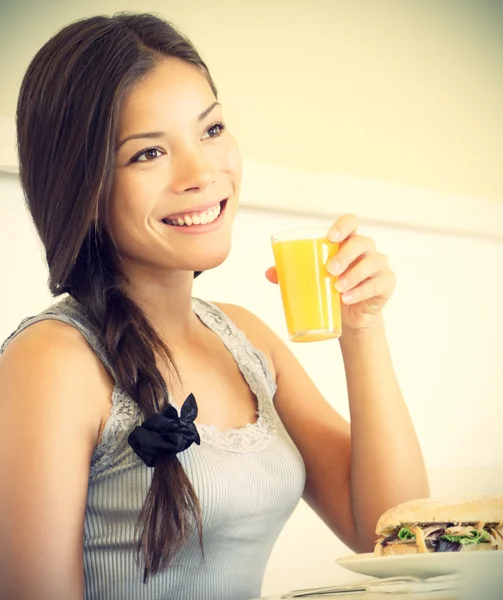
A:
(474, 537)
(406, 534)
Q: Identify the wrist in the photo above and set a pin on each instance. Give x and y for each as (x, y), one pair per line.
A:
(375, 327)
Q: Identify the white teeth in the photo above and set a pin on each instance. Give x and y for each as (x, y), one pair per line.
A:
(202, 218)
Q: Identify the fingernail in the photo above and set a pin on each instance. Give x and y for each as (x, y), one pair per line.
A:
(333, 267)
(334, 235)
(346, 298)
(341, 285)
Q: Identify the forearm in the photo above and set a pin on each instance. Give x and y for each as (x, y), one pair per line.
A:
(387, 466)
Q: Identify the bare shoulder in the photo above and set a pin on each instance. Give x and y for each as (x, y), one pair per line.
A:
(259, 334)
(49, 356)
(50, 335)
(51, 346)
(53, 393)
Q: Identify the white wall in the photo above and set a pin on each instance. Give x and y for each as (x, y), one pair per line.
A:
(397, 90)
(445, 328)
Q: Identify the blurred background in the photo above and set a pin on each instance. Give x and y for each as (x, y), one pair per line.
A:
(408, 91)
(390, 109)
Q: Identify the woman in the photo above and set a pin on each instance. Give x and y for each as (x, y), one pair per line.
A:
(114, 491)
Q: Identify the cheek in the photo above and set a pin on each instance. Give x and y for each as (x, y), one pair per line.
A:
(233, 163)
(126, 211)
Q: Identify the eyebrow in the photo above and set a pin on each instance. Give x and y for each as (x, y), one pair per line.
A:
(159, 134)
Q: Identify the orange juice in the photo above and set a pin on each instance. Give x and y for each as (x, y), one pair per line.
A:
(310, 301)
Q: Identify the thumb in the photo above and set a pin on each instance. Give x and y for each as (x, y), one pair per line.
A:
(272, 275)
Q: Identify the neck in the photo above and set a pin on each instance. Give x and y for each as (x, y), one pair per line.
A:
(166, 301)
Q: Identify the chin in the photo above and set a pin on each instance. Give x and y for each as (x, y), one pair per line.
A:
(210, 262)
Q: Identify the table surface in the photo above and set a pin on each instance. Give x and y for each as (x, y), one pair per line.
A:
(439, 595)
(482, 581)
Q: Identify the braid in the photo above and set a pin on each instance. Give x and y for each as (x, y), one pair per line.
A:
(66, 169)
(171, 508)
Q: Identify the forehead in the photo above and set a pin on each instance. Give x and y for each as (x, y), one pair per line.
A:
(173, 90)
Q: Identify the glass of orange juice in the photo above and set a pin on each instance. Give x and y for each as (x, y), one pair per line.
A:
(311, 304)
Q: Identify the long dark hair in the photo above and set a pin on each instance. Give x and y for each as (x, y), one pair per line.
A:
(67, 117)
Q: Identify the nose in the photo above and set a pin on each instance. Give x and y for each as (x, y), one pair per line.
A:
(192, 171)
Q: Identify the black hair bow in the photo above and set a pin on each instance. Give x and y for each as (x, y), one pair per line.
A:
(166, 432)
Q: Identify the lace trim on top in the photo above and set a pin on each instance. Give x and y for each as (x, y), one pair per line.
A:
(253, 437)
(124, 416)
(125, 413)
(252, 363)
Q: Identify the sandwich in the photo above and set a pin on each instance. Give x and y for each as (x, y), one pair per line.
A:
(432, 525)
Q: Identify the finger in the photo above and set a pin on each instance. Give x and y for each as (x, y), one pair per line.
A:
(351, 250)
(272, 275)
(379, 287)
(343, 228)
(369, 266)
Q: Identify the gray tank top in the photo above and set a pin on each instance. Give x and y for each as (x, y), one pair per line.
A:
(248, 481)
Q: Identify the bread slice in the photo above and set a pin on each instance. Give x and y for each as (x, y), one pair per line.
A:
(433, 510)
(395, 549)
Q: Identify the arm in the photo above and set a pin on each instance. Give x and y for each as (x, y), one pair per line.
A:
(354, 472)
(387, 466)
(51, 386)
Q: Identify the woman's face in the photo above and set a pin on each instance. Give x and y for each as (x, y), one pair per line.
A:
(177, 173)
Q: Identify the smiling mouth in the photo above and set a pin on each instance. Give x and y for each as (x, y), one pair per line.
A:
(196, 219)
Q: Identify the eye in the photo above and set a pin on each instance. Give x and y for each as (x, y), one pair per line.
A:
(147, 155)
(214, 130)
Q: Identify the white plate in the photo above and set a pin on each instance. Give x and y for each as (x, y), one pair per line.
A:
(422, 565)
